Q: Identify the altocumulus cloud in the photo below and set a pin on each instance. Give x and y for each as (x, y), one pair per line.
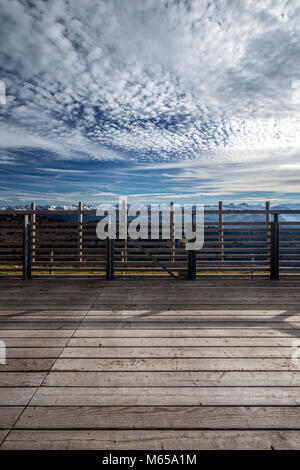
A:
(195, 81)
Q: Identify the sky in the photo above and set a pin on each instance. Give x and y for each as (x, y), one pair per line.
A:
(183, 100)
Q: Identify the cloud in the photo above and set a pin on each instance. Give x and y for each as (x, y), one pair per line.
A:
(183, 82)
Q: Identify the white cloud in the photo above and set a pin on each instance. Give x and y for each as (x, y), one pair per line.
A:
(152, 81)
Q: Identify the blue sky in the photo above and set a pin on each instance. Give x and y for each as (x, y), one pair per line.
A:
(159, 100)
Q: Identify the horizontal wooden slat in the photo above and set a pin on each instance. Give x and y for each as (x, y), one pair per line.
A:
(155, 352)
(49, 396)
(21, 379)
(27, 352)
(15, 395)
(166, 417)
(34, 343)
(152, 440)
(38, 365)
(206, 364)
(163, 342)
(9, 415)
(179, 333)
(173, 378)
(35, 333)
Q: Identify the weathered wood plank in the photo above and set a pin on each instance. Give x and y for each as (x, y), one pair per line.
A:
(46, 324)
(194, 296)
(15, 395)
(9, 415)
(168, 323)
(56, 285)
(21, 379)
(207, 364)
(127, 284)
(212, 321)
(3, 434)
(156, 352)
(39, 342)
(43, 305)
(40, 312)
(166, 417)
(36, 318)
(184, 332)
(36, 333)
(173, 379)
(151, 440)
(196, 304)
(24, 352)
(175, 342)
(37, 365)
(196, 312)
(64, 298)
(130, 396)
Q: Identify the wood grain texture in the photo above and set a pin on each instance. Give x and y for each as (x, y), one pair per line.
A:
(128, 332)
(15, 396)
(152, 440)
(21, 379)
(38, 342)
(54, 334)
(173, 379)
(159, 351)
(130, 396)
(160, 364)
(23, 352)
(207, 364)
(9, 415)
(164, 417)
(164, 342)
(17, 365)
(3, 434)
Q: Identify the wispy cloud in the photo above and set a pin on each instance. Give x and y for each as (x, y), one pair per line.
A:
(185, 84)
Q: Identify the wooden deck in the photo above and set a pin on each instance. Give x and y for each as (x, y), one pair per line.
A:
(158, 364)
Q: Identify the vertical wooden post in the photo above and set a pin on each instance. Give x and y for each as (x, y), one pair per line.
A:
(33, 229)
(268, 230)
(80, 232)
(109, 259)
(274, 264)
(221, 232)
(172, 232)
(26, 249)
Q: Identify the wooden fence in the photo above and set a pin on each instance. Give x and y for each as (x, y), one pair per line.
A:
(34, 244)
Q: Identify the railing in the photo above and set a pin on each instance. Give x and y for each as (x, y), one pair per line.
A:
(33, 244)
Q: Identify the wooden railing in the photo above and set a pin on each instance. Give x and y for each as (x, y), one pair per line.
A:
(33, 244)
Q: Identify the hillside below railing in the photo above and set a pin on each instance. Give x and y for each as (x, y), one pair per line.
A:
(46, 243)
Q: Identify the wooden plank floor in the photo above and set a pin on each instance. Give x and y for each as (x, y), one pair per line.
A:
(149, 364)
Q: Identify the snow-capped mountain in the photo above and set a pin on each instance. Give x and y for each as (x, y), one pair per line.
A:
(238, 217)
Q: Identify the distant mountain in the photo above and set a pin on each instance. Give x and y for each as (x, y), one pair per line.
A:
(208, 217)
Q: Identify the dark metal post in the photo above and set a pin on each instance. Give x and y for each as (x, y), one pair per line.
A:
(26, 249)
(192, 264)
(274, 261)
(192, 260)
(109, 259)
